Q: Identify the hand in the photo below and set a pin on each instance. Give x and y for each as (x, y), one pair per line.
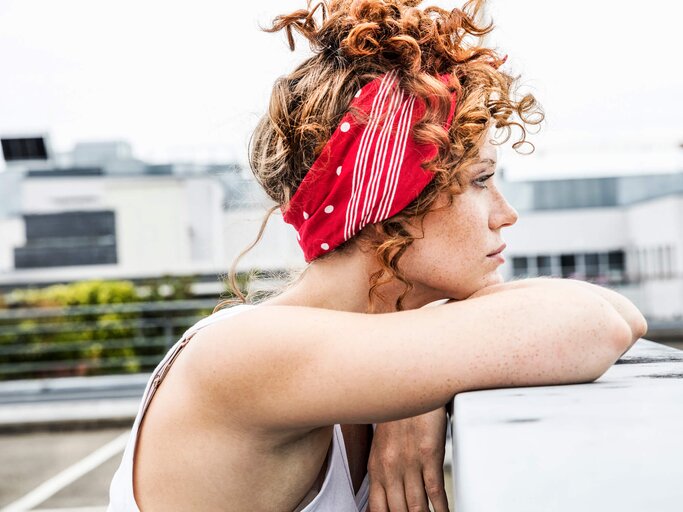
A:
(406, 464)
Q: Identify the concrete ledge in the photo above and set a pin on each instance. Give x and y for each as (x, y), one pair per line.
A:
(615, 444)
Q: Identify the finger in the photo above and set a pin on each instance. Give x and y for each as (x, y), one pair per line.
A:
(414, 488)
(377, 500)
(396, 498)
(435, 488)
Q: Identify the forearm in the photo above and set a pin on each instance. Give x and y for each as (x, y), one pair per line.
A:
(626, 309)
(634, 318)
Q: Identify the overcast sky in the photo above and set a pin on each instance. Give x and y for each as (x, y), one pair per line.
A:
(188, 80)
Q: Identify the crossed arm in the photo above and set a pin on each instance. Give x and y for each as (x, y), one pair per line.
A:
(406, 460)
(536, 332)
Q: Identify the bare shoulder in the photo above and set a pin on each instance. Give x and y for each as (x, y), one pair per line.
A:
(241, 359)
(249, 339)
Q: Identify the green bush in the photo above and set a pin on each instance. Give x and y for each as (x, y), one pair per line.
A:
(83, 341)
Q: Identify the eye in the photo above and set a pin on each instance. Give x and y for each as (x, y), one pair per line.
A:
(480, 181)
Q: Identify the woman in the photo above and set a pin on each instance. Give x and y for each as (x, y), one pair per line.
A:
(378, 151)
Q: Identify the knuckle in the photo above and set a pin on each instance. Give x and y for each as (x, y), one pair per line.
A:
(418, 507)
(428, 450)
(434, 488)
(376, 472)
(387, 458)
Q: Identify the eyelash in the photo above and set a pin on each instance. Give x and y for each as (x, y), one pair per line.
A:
(479, 182)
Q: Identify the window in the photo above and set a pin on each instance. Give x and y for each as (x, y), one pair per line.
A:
(592, 260)
(669, 260)
(615, 260)
(544, 265)
(520, 266)
(616, 266)
(568, 265)
(68, 239)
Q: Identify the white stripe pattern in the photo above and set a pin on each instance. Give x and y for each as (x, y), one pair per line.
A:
(360, 164)
(383, 142)
(356, 184)
(396, 162)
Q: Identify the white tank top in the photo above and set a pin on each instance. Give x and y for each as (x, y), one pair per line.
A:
(336, 493)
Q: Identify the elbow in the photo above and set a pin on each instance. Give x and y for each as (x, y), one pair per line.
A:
(622, 336)
(637, 325)
(620, 333)
(617, 340)
(640, 327)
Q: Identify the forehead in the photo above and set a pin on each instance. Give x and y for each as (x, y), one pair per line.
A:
(488, 151)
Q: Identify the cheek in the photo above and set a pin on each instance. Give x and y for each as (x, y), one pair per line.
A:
(466, 232)
(455, 240)
(450, 247)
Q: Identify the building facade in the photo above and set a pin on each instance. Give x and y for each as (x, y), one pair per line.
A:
(621, 232)
(100, 213)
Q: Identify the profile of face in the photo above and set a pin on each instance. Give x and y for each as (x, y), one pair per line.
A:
(454, 260)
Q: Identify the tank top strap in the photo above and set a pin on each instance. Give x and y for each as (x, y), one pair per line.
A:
(215, 317)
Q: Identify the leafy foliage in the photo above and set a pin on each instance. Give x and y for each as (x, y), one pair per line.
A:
(93, 327)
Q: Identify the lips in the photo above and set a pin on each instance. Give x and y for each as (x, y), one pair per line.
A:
(497, 251)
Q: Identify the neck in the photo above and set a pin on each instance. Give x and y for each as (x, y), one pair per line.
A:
(342, 282)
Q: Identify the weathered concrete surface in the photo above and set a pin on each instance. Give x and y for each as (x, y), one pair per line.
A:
(28, 460)
(612, 445)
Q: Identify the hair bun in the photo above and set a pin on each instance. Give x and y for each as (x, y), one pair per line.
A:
(303, 21)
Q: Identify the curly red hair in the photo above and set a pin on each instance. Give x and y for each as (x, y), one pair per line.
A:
(353, 42)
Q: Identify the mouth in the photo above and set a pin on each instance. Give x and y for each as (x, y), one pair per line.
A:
(498, 251)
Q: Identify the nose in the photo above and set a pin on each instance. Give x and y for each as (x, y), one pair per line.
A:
(503, 214)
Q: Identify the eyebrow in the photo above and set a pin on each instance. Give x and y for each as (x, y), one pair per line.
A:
(487, 161)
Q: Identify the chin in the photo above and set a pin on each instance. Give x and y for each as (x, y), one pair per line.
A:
(495, 278)
(490, 280)
(463, 290)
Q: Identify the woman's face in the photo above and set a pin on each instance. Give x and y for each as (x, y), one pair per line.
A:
(454, 258)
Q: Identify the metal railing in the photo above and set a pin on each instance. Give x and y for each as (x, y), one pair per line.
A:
(92, 340)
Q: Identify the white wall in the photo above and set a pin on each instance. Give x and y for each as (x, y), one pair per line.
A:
(277, 249)
(12, 234)
(152, 223)
(559, 231)
(658, 223)
(204, 198)
(164, 224)
(51, 195)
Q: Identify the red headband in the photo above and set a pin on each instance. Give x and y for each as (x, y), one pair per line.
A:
(367, 172)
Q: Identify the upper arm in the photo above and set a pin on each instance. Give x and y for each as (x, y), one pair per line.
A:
(296, 367)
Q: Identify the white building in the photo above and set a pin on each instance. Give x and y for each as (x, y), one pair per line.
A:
(100, 213)
(623, 232)
(107, 215)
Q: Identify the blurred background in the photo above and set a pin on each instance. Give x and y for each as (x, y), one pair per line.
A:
(125, 194)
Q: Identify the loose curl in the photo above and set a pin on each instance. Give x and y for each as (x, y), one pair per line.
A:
(353, 42)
